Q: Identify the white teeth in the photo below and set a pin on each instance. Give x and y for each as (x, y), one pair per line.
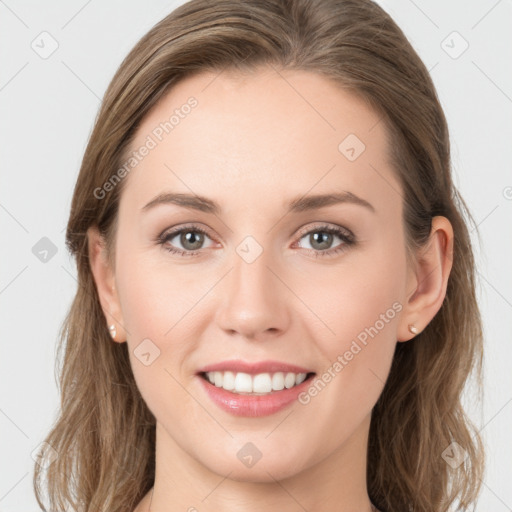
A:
(278, 381)
(228, 381)
(301, 377)
(289, 380)
(262, 383)
(243, 383)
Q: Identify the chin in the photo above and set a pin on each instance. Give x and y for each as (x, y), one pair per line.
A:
(261, 472)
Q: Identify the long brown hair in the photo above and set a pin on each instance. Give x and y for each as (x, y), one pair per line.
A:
(105, 434)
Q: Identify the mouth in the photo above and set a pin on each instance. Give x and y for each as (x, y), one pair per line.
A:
(260, 384)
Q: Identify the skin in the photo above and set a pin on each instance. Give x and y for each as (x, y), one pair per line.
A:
(274, 136)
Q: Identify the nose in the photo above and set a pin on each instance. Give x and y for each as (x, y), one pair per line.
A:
(256, 303)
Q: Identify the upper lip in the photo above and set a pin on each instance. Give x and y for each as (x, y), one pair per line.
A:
(253, 368)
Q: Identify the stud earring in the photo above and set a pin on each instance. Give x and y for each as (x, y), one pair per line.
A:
(413, 329)
(112, 330)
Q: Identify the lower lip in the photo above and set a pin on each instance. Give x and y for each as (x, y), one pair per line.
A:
(253, 405)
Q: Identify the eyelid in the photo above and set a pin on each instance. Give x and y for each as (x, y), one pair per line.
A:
(174, 230)
(324, 225)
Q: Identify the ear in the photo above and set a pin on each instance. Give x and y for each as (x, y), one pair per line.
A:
(105, 284)
(427, 283)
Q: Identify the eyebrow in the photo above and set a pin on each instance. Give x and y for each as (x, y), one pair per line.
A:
(297, 205)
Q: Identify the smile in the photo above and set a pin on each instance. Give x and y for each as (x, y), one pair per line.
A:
(257, 385)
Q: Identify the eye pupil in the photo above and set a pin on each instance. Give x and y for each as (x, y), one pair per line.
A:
(192, 237)
(323, 238)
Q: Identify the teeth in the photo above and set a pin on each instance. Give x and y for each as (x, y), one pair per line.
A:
(228, 381)
(243, 383)
(289, 380)
(262, 383)
(278, 381)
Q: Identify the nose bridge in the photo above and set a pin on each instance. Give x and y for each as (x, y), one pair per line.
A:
(254, 301)
(251, 267)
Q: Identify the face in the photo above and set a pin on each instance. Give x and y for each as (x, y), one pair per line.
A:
(269, 275)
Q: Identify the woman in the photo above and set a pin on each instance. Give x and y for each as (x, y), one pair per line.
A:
(276, 305)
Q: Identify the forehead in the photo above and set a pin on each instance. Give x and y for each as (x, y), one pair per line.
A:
(258, 134)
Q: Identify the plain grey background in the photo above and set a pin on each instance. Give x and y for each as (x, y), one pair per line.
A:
(48, 103)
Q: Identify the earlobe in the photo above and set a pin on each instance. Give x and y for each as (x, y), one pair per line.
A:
(429, 281)
(105, 285)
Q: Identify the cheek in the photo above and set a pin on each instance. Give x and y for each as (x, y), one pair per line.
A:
(162, 304)
(357, 358)
(361, 305)
(155, 306)
(156, 295)
(353, 296)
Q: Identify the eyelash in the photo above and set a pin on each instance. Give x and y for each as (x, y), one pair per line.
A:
(346, 236)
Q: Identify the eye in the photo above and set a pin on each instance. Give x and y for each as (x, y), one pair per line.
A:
(191, 239)
(321, 239)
